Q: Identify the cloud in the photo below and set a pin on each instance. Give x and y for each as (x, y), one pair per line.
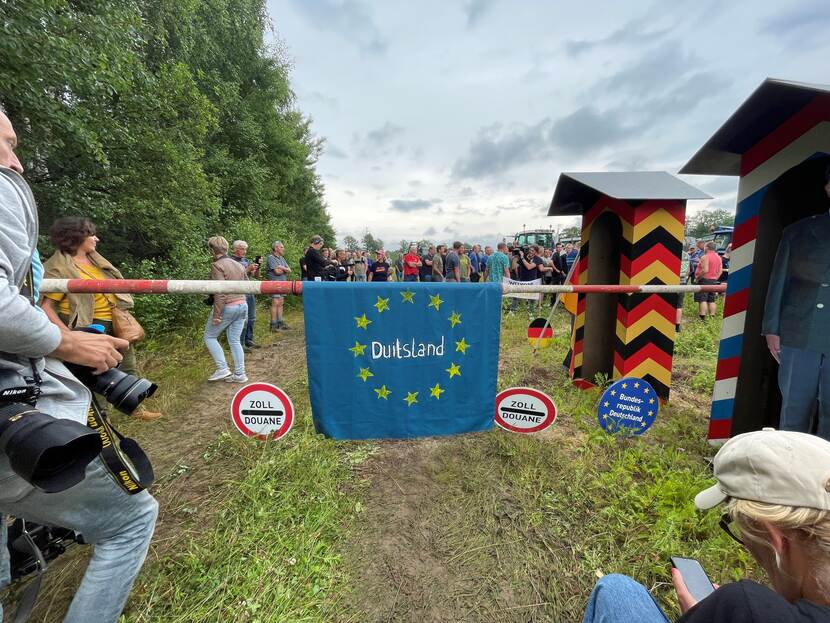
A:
(430, 232)
(684, 96)
(321, 98)
(586, 129)
(409, 205)
(383, 135)
(380, 142)
(494, 151)
(651, 73)
(806, 24)
(476, 10)
(334, 151)
(635, 32)
(349, 19)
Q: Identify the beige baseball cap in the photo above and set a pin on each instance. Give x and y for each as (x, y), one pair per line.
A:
(776, 467)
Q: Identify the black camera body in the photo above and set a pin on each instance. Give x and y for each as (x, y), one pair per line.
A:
(329, 273)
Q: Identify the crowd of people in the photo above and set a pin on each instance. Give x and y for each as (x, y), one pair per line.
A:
(450, 263)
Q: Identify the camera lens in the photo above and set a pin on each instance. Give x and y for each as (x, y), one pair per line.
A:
(50, 453)
(123, 391)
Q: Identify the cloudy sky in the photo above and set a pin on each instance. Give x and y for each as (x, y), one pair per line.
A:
(450, 119)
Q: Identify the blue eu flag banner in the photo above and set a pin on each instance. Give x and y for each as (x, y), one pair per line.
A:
(397, 360)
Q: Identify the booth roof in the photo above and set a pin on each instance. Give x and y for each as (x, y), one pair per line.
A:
(768, 107)
(576, 192)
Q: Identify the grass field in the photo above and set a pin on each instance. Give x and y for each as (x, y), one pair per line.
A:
(487, 527)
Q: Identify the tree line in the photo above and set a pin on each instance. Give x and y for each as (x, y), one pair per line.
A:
(166, 122)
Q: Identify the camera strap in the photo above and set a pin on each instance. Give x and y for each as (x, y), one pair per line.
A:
(124, 458)
(27, 601)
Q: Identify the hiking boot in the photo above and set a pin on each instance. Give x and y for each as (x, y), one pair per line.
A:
(275, 326)
(253, 345)
(237, 378)
(283, 326)
(246, 349)
(219, 375)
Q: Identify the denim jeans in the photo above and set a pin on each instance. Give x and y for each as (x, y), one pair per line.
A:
(410, 277)
(804, 377)
(426, 278)
(118, 525)
(233, 319)
(360, 277)
(248, 330)
(619, 599)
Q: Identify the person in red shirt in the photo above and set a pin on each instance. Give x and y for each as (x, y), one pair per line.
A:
(411, 264)
(707, 273)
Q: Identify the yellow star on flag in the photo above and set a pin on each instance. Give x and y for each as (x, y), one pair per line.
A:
(365, 373)
(411, 397)
(454, 370)
(435, 301)
(455, 319)
(606, 404)
(435, 392)
(613, 392)
(382, 392)
(636, 385)
(408, 297)
(645, 390)
(382, 305)
(362, 322)
(651, 401)
(358, 348)
(643, 424)
(462, 346)
(624, 385)
(650, 413)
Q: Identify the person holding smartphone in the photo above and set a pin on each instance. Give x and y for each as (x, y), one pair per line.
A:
(776, 489)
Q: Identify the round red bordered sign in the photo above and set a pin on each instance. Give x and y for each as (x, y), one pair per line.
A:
(262, 411)
(524, 410)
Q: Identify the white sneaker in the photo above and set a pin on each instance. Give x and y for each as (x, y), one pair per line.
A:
(236, 379)
(219, 375)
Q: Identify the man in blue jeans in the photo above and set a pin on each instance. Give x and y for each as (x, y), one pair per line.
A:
(119, 526)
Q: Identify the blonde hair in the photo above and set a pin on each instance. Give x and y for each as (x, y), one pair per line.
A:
(217, 244)
(810, 524)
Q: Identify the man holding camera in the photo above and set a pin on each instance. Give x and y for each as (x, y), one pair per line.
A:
(32, 349)
(317, 266)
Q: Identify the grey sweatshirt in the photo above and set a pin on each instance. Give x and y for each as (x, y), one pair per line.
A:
(26, 334)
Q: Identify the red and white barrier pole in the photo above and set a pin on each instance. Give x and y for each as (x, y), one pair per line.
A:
(164, 286)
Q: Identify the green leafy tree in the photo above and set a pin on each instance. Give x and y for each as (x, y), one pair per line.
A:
(370, 243)
(351, 243)
(704, 221)
(166, 122)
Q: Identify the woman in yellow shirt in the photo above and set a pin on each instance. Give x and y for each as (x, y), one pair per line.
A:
(76, 258)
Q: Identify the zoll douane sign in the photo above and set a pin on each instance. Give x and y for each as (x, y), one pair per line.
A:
(524, 410)
(262, 411)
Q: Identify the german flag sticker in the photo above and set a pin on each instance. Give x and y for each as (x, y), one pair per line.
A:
(536, 330)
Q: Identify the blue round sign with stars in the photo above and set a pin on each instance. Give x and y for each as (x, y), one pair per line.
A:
(628, 407)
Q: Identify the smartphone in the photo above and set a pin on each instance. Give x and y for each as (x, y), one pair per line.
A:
(695, 578)
(258, 259)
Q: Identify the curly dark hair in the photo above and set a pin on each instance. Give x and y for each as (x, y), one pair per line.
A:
(69, 232)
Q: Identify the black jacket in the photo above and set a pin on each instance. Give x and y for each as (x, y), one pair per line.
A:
(315, 263)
